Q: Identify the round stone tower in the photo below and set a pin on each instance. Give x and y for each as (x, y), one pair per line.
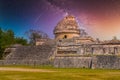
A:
(67, 28)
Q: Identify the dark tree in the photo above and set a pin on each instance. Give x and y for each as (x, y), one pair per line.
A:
(7, 39)
(20, 40)
(114, 38)
(36, 34)
(1, 50)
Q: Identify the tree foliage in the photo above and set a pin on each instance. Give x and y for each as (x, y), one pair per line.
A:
(36, 34)
(20, 40)
(7, 39)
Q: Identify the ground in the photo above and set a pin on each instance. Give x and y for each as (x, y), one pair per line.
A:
(50, 73)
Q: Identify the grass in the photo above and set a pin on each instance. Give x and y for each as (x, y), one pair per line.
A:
(60, 74)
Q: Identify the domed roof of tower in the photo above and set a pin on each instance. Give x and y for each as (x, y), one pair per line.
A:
(67, 24)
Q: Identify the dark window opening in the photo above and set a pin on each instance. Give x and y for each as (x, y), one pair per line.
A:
(65, 36)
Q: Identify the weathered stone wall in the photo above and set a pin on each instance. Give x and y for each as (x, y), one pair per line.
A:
(75, 62)
(87, 47)
(84, 49)
(66, 35)
(107, 62)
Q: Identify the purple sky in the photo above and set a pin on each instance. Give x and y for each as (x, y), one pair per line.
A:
(100, 18)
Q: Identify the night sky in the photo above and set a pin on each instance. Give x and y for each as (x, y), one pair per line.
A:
(100, 18)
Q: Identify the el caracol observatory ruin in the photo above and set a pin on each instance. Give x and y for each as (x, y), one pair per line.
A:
(67, 28)
(71, 47)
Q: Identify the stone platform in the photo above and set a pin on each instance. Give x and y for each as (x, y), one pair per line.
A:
(101, 61)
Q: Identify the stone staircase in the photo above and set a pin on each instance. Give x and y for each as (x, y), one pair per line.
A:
(31, 53)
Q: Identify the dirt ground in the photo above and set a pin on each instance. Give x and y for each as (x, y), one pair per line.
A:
(24, 70)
